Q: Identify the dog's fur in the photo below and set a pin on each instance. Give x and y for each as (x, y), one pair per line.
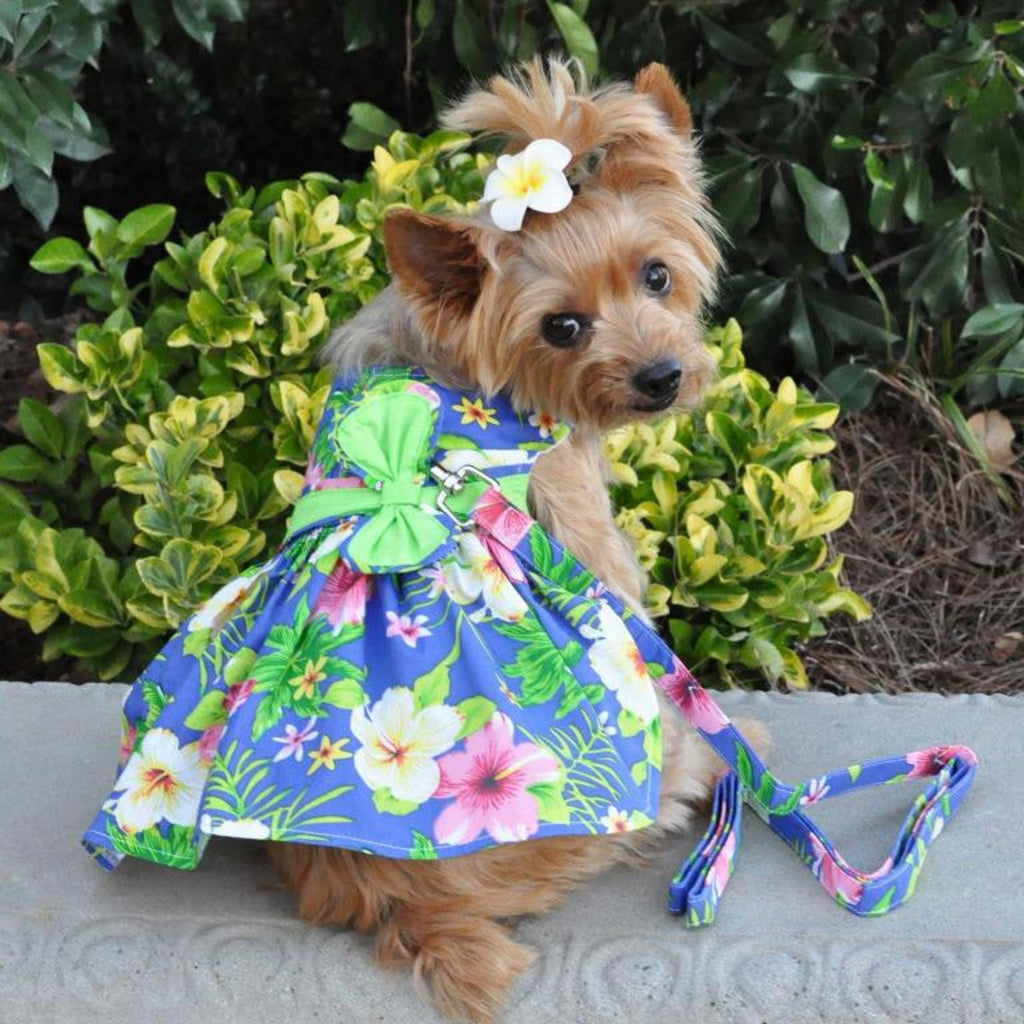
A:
(466, 303)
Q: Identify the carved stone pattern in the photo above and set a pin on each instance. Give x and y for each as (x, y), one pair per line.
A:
(118, 968)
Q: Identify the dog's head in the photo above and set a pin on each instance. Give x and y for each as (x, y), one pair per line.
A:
(591, 313)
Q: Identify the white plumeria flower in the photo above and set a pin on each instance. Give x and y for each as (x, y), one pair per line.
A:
(161, 781)
(617, 660)
(400, 743)
(243, 828)
(475, 574)
(529, 180)
(216, 610)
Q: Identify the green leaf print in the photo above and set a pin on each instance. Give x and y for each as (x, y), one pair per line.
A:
(540, 549)
(637, 819)
(456, 442)
(883, 904)
(638, 772)
(538, 662)
(652, 743)
(268, 712)
(566, 574)
(476, 712)
(386, 803)
(236, 788)
(239, 665)
(628, 723)
(551, 805)
(766, 789)
(591, 776)
(156, 701)
(744, 769)
(792, 801)
(422, 848)
(292, 674)
(574, 693)
(346, 694)
(922, 851)
(196, 642)
(853, 771)
(433, 686)
(209, 711)
(176, 850)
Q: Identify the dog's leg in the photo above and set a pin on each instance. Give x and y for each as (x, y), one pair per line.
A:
(569, 496)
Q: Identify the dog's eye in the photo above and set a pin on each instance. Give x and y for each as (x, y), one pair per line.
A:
(656, 277)
(563, 330)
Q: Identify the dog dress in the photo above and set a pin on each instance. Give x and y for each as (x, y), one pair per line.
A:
(420, 671)
(402, 677)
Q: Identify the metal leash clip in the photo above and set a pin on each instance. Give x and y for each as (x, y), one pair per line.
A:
(452, 482)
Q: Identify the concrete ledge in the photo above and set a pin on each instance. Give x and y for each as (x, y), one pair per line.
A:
(222, 944)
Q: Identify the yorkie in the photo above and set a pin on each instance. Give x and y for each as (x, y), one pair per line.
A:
(585, 304)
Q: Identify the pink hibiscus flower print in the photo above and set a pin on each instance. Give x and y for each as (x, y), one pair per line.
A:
(505, 523)
(489, 781)
(343, 596)
(692, 699)
(408, 628)
(237, 695)
(839, 885)
(931, 760)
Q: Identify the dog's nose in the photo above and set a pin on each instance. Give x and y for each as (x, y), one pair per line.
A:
(660, 380)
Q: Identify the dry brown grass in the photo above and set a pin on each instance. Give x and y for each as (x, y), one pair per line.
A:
(937, 552)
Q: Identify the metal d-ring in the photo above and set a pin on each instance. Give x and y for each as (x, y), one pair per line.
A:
(453, 482)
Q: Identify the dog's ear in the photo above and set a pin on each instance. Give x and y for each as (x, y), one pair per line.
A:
(436, 262)
(657, 82)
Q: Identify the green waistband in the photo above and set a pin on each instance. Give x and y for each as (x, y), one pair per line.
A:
(325, 506)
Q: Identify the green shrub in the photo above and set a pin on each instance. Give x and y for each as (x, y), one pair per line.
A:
(728, 511)
(45, 46)
(156, 477)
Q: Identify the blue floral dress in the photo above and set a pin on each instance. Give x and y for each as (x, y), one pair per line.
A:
(417, 672)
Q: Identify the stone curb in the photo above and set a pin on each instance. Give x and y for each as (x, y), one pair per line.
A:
(222, 944)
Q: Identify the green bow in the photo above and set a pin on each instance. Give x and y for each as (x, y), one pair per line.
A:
(388, 438)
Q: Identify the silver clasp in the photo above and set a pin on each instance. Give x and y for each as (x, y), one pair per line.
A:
(453, 482)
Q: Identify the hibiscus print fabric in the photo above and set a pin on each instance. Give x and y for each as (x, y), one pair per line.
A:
(486, 690)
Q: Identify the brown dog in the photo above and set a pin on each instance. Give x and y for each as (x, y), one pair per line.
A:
(625, 267)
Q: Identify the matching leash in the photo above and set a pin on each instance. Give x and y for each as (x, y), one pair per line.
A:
(470, 498)
(697, 888)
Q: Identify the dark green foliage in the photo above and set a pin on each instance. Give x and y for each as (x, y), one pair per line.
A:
(865, 159)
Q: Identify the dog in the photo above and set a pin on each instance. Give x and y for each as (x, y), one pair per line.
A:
(592, 313)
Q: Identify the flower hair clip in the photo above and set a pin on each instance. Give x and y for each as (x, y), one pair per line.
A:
(532, 179)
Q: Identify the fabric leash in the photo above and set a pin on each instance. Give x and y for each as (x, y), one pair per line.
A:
(697, 889)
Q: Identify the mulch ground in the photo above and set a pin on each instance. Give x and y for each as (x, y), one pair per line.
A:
(937, 550)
